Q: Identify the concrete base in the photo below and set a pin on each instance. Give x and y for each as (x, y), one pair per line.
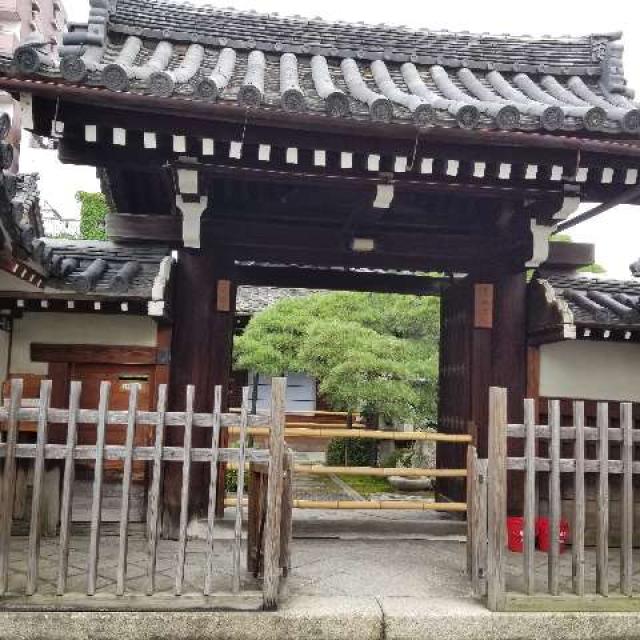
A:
(325, 618)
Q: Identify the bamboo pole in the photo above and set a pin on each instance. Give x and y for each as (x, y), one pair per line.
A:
(384, 472)
(323, 425)
(372, 505)
(429, 436)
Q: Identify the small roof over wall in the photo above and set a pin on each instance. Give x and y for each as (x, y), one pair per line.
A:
(73, 270)
(565, 307)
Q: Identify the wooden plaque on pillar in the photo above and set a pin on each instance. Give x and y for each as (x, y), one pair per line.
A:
(483, 306)
(223, 297)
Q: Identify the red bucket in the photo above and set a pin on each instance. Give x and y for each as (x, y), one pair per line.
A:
(544, 538)
(515, 533)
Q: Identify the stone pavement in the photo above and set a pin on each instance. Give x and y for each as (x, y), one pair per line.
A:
(369, 575)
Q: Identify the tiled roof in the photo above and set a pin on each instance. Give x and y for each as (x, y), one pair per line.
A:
(102, 269)
(599, 302)
(383, 73)
(20, 217)
(251, 300)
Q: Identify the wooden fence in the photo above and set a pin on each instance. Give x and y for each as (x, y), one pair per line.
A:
(271, 462)
(586, 579)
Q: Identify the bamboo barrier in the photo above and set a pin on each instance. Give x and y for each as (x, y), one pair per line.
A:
(384, 472)
(428, 436)
(372, 505)
(323, 425)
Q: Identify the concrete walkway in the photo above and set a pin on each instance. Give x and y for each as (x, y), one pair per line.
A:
(326, 618)
(365, 576)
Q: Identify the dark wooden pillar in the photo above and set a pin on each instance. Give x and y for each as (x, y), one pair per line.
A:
(482, 344)
(203, 309)
(509, 361)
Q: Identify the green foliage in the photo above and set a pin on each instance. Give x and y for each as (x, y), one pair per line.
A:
(367, 485)
(374, 353)
(352, 452)
(230, 480)
(93, 210)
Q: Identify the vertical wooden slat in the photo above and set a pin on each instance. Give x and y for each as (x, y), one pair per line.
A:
(33, 549)
(554, 498)
(271, 580)
(602, 549)
(254, 523)
(121, 575)
(482, 523)
(213, 488)
(530, 496)
(497, 499)
(154, 492)
(8, 483)
(237, 536)
(472, 472)
(579, 504)
(184, 494)
(96, 505)
(67, 486)
(473, 506)
(286, 527)
(626, 538)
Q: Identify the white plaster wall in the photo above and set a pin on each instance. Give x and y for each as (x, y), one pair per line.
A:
(72, 328)
(590, 370)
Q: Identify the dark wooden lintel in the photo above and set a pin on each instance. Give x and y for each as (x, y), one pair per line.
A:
(153, 108)
(95, 353)
(336, 280)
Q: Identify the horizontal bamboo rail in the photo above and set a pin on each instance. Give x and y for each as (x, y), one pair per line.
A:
(323, 425)
(428, 436)
(385, 472)
(372, 505)
(319, 414)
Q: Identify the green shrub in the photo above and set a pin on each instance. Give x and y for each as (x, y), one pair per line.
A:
(93, 211)
(231, 480)
(352, 452)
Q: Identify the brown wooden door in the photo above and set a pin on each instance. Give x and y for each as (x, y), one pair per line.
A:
(121, 378)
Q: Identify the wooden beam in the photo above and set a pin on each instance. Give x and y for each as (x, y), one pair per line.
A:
(230, 230)
(78, 152)
(335, 280)
(626, 197)
(152, 106)
(93, 353)
(124, 227)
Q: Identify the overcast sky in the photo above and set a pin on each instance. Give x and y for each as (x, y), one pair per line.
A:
(617, 232)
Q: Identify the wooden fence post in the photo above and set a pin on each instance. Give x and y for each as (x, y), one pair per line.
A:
(274, 494)
(529, 541)
(286, 526)
(554, 498)
(8, 483)
(497, 499)
(602, 548)
(476, 520)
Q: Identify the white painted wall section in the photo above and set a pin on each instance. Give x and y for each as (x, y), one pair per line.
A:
(590, 370)
(70, 328)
